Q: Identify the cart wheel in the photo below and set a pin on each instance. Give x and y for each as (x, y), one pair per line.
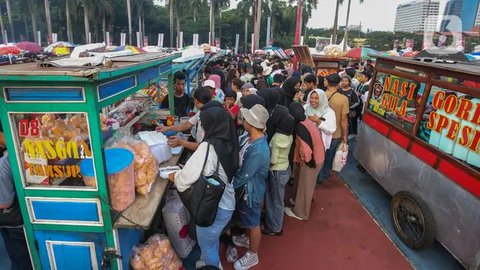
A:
(412, 219)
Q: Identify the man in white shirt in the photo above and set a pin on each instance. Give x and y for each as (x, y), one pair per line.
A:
(201, 97)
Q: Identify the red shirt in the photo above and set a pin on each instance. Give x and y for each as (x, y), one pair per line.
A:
(235, 109)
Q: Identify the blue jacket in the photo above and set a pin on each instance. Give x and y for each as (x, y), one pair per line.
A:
(254, 171)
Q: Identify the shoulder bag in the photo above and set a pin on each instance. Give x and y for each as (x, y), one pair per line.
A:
(202, 198)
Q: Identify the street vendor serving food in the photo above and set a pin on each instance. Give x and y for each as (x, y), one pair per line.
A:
(201, 96)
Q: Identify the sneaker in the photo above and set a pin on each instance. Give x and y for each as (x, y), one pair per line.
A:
(241, 241)
(291, 201)
(232, 254)
(289, 212)
(248, 261)
(200, 264)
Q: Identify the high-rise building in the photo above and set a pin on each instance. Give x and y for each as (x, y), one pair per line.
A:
(466, 10)
(477, 21)
(411, 16)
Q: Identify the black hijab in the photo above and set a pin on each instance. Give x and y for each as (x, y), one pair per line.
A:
(221, 133)
(298, 112)
(271, 97)
(251, 100)
(282, 121)
(289, 87)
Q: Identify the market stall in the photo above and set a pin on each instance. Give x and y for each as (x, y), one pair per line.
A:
(75, 183)
(324, 65)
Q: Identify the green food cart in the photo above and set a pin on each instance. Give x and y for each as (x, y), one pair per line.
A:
(70, 222)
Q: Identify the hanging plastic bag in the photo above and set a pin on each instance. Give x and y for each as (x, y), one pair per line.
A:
(340, 158)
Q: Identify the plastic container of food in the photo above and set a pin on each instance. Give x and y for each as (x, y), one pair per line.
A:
(121, 176)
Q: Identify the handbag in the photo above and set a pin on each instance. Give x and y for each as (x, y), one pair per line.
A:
(202, 198)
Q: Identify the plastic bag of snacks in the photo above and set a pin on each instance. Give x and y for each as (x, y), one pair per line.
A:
(145, 164)
(340, 159)
(155, 254)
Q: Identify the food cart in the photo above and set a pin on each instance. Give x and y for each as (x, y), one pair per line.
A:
(323, 65)
(420, 140)
(71, 222)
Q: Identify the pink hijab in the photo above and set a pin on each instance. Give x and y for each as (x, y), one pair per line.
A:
(217, 79)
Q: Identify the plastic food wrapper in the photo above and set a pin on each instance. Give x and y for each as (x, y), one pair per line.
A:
(121, 186)
(340, 159)
(145, 164)
(73, 127)
(156, 254)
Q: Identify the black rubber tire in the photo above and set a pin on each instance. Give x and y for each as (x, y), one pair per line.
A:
(427, 227)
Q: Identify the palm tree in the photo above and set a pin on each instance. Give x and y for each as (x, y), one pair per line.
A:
(345, 34)
(257, 19)
(170, 15)
(49, 20)
(140, 7)
(335, 22)
(69, 10)
(243, 9)
(4, 39)
(86, 19)
(29, 11)
(216, 5)
(10, 20)
(129, 14)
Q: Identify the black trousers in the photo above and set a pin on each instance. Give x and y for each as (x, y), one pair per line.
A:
(16, 246)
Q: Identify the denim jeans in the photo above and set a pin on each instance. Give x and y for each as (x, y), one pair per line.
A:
(17, 249)
(274, 199)
(209, 237)
(328, 163)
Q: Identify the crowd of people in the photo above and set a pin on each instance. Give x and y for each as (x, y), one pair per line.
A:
(261, 125)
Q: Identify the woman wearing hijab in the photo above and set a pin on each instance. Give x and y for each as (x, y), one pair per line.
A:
(291, 86)
(222, 142)
(318, 111)
(272, 98)
(309, 154)
(280, 145)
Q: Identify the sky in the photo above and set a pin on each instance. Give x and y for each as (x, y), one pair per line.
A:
(377, 15)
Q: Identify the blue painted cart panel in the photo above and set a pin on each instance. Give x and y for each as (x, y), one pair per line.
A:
(44, 94)
(65, 211)
(148, 75)
(70, 250)
(128, 239)
(116, 87)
